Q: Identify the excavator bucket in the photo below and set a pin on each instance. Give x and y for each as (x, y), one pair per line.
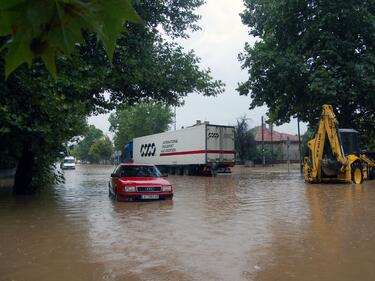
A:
(330, 167)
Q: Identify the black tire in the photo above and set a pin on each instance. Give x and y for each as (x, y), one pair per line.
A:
(357, 173)
(186, 171)
(171, 171)
(115, 196)
(371, 173)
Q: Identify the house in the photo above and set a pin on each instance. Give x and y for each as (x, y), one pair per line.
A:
(278, 142)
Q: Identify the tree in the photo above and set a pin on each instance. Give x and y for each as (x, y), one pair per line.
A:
(35, 121)
(139, 120)
(270, 155)
(145, 67)
(44, 28)
(310, 53)
(244, 140)
(307, 136)
(82, 149)
(101, 150)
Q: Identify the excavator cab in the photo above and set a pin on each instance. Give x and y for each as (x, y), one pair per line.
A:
(349, 141)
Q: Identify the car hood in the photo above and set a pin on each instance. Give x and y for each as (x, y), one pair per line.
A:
(145, 181)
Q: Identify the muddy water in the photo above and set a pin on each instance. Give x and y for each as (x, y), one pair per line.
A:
(245, 226)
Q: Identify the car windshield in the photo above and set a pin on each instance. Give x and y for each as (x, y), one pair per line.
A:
(139, 171)
(70, 161)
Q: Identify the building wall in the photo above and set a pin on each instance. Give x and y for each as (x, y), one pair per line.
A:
(282, 147)
(293, 152)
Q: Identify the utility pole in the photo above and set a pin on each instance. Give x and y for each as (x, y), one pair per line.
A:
(263, 157)
(299, 147)
(271, 127)
(287, 151)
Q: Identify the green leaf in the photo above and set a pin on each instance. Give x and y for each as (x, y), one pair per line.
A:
(18, 53)
(5, 26)
(48, 58)
(109, 35)
(7, 4)
(113, 18)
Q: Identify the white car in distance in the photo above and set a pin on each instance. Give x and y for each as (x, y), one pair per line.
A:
(68, 163)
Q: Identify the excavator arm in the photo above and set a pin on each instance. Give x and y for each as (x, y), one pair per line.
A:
(370, 162)
(328, 128)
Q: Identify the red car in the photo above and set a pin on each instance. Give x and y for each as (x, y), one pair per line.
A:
(137, 182)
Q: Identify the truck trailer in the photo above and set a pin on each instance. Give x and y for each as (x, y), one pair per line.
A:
(202, 149)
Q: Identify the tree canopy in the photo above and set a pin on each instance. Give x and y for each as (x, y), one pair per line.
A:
(101, 150)
(94, 147)
(90, 136)
(244, 140)
(310, 53)
(145, 66)
(139, 120)
(35, 122)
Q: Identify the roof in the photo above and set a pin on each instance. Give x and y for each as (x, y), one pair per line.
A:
(347, 131)
(274, 136)
(135, 164)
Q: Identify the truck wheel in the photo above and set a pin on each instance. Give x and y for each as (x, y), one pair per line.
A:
(180, 171)
(171, 171)
(186, 171)
(357, 174)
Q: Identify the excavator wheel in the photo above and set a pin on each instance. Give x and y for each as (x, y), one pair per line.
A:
(357, 174)
(371, 173)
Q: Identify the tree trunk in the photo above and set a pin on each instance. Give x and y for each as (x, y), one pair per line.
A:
(24, 173)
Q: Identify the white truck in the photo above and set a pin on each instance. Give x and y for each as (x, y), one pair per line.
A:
(196, 150)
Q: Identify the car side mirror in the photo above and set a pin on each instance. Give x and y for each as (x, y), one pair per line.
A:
(113, 175)
(164, 175)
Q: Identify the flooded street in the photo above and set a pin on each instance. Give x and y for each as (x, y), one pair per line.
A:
(244, 226)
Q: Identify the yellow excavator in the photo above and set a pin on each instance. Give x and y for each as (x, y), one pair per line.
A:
(334, 154)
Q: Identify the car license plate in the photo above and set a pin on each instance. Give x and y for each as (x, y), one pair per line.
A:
(150, 196)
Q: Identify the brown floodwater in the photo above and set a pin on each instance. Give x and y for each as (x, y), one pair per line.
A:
(244, 226)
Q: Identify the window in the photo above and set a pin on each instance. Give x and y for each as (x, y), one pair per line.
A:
(139, 171)
(349, 142)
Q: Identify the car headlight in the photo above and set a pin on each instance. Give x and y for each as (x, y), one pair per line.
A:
(166, 188)
(129, 188)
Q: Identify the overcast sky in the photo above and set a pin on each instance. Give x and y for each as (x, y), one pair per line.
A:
(218, 43)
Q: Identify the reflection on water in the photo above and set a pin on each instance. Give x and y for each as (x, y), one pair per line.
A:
(337, 243)
(247, 226)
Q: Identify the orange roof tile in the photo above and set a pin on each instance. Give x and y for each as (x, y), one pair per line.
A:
(276, 136)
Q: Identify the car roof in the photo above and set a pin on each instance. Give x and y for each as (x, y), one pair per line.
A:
(347, 131)
(136, 164)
